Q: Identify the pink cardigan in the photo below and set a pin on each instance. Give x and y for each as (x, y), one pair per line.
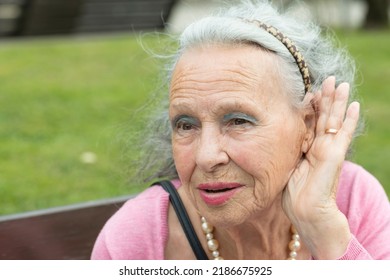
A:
(139, 230)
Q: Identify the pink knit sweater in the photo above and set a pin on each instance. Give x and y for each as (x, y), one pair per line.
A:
(139, 230)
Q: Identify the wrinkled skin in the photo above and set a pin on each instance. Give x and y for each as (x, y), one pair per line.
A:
(233, 123)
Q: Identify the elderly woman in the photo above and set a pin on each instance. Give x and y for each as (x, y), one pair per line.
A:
(259, 129)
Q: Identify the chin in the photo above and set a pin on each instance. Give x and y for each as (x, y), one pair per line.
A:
(225, 216)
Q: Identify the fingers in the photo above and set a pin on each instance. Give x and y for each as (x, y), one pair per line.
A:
(325, 104)
(338, 108)
(332, 106)
(336, 123)
(350, 122)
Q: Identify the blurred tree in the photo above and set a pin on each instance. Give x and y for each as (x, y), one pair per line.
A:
(377, 14)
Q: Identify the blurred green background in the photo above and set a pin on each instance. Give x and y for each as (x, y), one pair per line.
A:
(66, 102)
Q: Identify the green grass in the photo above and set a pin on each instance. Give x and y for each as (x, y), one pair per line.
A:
(62, 97)
(371, 51)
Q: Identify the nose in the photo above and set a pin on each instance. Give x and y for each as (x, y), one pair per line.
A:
(211, 151)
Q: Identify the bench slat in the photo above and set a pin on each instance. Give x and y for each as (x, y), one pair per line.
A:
(63, 233)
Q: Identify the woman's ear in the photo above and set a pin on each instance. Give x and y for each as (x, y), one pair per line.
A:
(310, 120)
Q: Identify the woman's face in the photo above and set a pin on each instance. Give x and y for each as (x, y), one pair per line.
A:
(236, 138)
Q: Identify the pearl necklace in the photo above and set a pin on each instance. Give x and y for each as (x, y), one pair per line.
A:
(213, 243)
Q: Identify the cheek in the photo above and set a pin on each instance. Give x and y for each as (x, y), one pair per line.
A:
(252, 154)
(268, 157)
(291, 140)
(184, 161)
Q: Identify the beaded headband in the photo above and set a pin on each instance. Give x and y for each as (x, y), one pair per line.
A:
(292, 48)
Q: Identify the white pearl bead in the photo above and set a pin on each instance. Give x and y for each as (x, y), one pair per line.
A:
(207, 228)
(293, 254)
(218, 258)
(209, 236)
(215, 254)
(213, 244)
(203, 219)
(295, 237)
(294, 245)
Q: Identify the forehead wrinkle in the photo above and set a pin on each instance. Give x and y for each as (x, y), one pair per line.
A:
(250, 77)
(229, 77)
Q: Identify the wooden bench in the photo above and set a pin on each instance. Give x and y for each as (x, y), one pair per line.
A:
(61, 233)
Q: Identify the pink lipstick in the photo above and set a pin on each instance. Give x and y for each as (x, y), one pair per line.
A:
(218, 193)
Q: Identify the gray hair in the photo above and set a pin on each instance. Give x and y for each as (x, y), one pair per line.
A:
(227, 26)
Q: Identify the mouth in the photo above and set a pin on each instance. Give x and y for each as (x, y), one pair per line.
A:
(217, 191)
(215, 194)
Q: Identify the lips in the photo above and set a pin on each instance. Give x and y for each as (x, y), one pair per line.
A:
(218, 193)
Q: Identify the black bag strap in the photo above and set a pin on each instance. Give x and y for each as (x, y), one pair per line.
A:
(184, 219)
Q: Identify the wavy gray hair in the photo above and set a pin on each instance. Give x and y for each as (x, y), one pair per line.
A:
(229, 26)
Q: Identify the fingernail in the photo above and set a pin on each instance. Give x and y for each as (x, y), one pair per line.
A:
(332, 78)
(344, 87)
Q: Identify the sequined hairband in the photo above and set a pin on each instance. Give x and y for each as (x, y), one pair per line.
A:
(291, 48)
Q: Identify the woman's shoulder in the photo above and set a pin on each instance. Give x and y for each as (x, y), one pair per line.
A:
(141, 221)
(142, 207)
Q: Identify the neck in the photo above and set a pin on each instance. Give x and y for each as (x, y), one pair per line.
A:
(261, 237)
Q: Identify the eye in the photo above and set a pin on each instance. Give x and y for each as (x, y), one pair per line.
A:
(239, 121)
(182, 125)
